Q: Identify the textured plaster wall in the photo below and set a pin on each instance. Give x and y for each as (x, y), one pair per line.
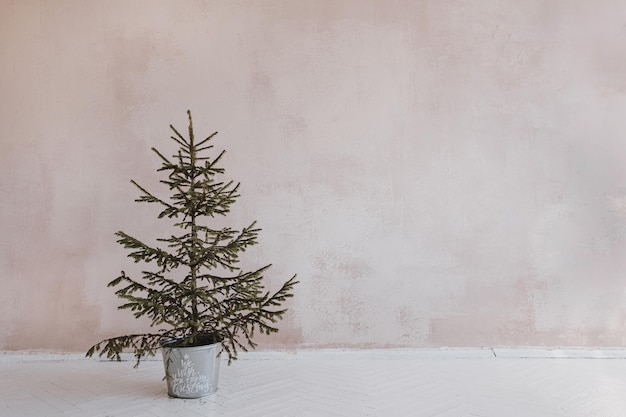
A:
(438, 173)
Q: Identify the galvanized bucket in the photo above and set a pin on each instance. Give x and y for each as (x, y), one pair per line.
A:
(191, 372)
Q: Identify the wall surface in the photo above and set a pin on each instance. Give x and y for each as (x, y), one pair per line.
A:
(438, 173)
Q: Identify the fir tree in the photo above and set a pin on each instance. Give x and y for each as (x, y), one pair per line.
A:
(195, 292)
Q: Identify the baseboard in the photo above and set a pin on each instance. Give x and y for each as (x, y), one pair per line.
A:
(362, 354)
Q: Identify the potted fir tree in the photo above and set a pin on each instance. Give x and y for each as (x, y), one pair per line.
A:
(195, 296)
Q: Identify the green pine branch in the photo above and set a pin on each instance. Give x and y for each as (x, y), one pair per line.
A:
(197, 288)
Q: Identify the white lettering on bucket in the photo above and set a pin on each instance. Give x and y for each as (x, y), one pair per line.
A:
(187, 382)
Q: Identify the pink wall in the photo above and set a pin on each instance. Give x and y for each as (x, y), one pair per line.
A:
(438, 173)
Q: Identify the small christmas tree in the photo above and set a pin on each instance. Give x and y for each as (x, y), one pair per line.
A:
(195, 292)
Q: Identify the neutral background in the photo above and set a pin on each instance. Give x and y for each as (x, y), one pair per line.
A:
(438, 173)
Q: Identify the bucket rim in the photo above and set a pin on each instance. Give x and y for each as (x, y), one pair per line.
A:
(170, 342)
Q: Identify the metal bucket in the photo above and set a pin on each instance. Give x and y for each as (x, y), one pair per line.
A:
(191, 372)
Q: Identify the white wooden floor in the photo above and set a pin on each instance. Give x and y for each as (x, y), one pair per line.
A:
(476, 383)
